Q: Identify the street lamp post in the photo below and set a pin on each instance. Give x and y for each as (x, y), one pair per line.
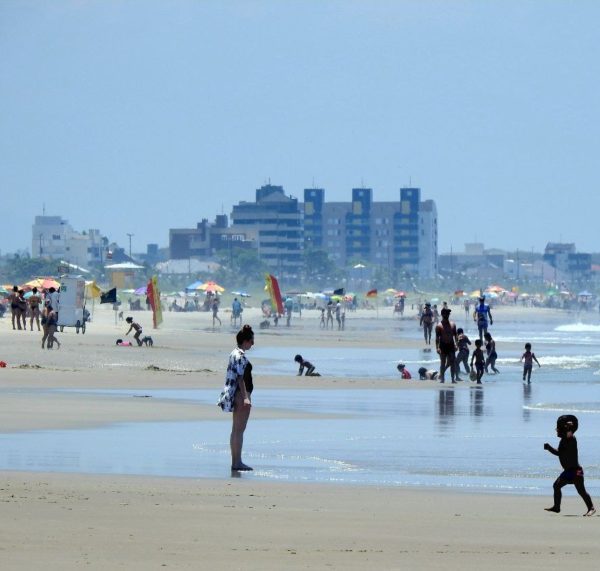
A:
(130, 235)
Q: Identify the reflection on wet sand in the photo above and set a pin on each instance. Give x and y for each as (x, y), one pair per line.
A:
(445, 408)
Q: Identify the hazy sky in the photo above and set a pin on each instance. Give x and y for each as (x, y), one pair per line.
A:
(139, 116)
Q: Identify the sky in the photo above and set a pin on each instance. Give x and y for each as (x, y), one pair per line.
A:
(139, 116)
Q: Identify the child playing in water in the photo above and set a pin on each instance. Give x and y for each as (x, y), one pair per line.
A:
(404, 371)
(529, 358)
(427, 375)
(479, 359)
(310, 368)
(566, 426)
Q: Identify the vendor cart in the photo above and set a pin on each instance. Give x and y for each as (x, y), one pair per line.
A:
(71, 303)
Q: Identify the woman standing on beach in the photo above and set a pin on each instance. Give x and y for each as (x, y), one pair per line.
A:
(235, 396)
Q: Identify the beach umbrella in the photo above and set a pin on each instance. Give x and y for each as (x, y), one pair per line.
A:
(194, 286)
(475, 293)
(141, 291)
(400, 294)
(459, 292)
(585, 293)
(495, 288)
(434, 299)
(490, 295)
(211, 287)
(43, 283)
(390, 290)
(524, 295)
(3, 291)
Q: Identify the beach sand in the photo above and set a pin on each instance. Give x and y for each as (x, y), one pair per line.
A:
(66, 521)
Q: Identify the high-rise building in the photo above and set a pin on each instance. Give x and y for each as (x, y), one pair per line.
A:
(392, 235)
(399, 235)
(275, 220)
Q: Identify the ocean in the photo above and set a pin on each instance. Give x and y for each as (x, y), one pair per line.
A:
(465, 437)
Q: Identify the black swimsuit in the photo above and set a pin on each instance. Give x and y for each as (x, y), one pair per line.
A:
(248, 378)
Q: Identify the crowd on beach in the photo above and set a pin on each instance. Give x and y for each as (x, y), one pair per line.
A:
(37, 307)
(452, 345)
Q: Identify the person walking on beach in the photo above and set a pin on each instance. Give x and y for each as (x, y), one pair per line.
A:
(322, 321)
(138, 330)
(22, 303)
(426, 322)
(445, 344)
(215, 310)
(236, 311)
(568, 456)
(34, 308)
(527, 359)
(49, 324)
(466, 306)
(481, 315)
(235, 396)
(479, 359)
(338, 315)
(490, 348)
(329, 315)
(15, 313)
(304, 364)
(463, 343)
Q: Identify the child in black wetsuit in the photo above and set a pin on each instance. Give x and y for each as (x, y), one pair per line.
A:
(310, 368)
(566, 426)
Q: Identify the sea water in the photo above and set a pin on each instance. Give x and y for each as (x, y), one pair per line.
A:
(461, 437)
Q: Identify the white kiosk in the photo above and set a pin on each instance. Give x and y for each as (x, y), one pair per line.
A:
(71, 303)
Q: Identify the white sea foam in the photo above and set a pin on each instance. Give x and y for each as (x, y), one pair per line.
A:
(578, 328)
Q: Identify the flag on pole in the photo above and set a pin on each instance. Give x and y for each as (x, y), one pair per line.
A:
(372, 293)
(153, 294)
(109, 297)
(272, 286)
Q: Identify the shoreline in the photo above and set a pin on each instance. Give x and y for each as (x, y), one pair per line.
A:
(103, 521)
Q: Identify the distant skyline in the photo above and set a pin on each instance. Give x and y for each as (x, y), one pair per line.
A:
(138, 116)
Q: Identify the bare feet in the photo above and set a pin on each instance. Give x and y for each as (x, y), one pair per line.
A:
(590, 512)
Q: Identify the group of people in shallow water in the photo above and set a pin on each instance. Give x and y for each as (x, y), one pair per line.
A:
(236, 397)
(45, 319)
(452, 345)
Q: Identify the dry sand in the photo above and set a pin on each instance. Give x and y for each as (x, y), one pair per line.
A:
(64, 521)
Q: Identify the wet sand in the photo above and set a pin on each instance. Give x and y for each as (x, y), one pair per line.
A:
(65, 521)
